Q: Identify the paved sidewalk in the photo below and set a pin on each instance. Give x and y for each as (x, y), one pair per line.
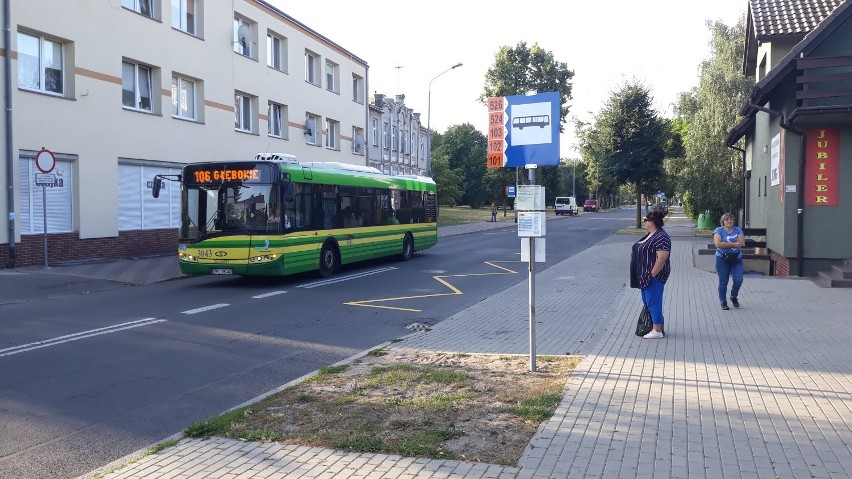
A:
(764, 390)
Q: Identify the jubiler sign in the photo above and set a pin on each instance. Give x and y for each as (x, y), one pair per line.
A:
(822, 167)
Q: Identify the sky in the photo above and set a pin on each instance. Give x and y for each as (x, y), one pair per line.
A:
(660, 43)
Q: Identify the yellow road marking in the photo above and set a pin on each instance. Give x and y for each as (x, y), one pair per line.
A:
(440, 278)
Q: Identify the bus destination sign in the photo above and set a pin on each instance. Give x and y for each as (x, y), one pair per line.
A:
(227, 173)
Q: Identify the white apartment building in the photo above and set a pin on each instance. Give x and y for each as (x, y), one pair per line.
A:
(398, 142)
(121, 90)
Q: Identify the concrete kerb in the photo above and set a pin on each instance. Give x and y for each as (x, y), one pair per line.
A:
(416, 338)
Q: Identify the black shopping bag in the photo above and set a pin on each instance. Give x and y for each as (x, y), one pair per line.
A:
(645, 324)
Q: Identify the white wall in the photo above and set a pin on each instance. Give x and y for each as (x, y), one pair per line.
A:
(91, 124)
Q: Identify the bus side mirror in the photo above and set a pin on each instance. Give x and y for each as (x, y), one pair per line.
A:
(155, 189)
(289, 191)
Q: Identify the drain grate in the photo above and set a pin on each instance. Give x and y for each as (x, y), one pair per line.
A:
(418, 327)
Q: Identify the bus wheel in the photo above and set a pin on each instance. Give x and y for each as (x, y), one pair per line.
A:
(328, 260)
(407, 247)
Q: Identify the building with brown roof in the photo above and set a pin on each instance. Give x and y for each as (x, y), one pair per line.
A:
(796, 138)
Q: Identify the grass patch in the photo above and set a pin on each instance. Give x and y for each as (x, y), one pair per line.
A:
(216, 425)
(538, 408)
(459, 215)
(470, 407)
(324, 371)
(159, 447)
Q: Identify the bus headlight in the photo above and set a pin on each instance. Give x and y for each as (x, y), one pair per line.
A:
(188, 257)
(266, 258)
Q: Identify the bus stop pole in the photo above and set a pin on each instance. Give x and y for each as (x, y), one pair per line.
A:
(532, 289)
(44, 215)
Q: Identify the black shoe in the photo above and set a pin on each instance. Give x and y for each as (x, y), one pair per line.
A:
(735, 302)
(725, 305)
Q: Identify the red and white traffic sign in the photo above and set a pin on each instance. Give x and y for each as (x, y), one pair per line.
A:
(45, 161)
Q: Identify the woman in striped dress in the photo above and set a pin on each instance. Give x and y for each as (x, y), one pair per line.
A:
(652, 269)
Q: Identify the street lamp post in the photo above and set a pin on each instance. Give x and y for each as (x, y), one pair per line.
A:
(574, 180)
(429, 116)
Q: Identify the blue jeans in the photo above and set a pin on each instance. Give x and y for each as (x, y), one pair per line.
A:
(725, 270)
(652, 296)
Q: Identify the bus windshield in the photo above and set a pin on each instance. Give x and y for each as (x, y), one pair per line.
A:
(229, 209)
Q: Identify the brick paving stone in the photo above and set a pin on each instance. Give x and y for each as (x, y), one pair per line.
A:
(742, 393)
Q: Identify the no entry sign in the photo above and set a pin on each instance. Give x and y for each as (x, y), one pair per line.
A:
(45, 161)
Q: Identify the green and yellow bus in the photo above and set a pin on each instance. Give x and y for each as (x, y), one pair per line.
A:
(276, 216)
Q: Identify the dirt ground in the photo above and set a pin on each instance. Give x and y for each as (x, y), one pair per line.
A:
(472, 407)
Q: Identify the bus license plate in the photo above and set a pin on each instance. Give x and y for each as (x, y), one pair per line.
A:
(223, 271)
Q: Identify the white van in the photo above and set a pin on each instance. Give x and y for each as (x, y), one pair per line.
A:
(565, 205)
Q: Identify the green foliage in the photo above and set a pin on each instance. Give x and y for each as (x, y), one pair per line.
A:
(326, 370)
(464, 146)
(448, 180)
(626, 145)
(538, 408)
(523, 70)
(711, 173)
(633, 136)
(157, 448)
(216, 425)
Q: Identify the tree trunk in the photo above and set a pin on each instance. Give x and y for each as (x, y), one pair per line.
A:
(638, 207)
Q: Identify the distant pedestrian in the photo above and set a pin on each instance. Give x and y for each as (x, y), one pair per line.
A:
(650, 268)
(728, 240)
(493, 213)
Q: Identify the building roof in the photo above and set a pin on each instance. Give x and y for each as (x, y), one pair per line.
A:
(309, 31)
(785, 17)
(761, 90)
(776, 20)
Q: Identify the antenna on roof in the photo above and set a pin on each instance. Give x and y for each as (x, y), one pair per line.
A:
(398, 68)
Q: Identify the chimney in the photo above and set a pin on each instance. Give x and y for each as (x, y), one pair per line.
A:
(379, 99)
(400, 98)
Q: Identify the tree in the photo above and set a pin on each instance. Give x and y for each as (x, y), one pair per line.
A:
(524, 70)
(447, 179)
(711, 172)
(464, 146)
(626, 145)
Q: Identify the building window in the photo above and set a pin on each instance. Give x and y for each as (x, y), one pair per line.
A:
(386, 135)
(311, 66)
(276, 52)
(394, 144)
(332, 135)
(183, 15)
(137, 208)
(143, 7)
(331, 77)
(359, 145)
(243, 37)
(357, 89)
(277, 120)
(242, 113)
(183, 98)
(40, 64)
(312, 134)
(375, 132)
(136, 86)
(59, 196)
(413, 149)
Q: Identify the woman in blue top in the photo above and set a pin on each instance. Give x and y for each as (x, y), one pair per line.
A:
(729, 238)
(651, 269)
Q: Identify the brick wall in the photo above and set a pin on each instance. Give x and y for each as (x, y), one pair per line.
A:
(782, 264)
(69, 247)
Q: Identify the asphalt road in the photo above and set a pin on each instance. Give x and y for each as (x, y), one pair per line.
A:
(112, 372)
